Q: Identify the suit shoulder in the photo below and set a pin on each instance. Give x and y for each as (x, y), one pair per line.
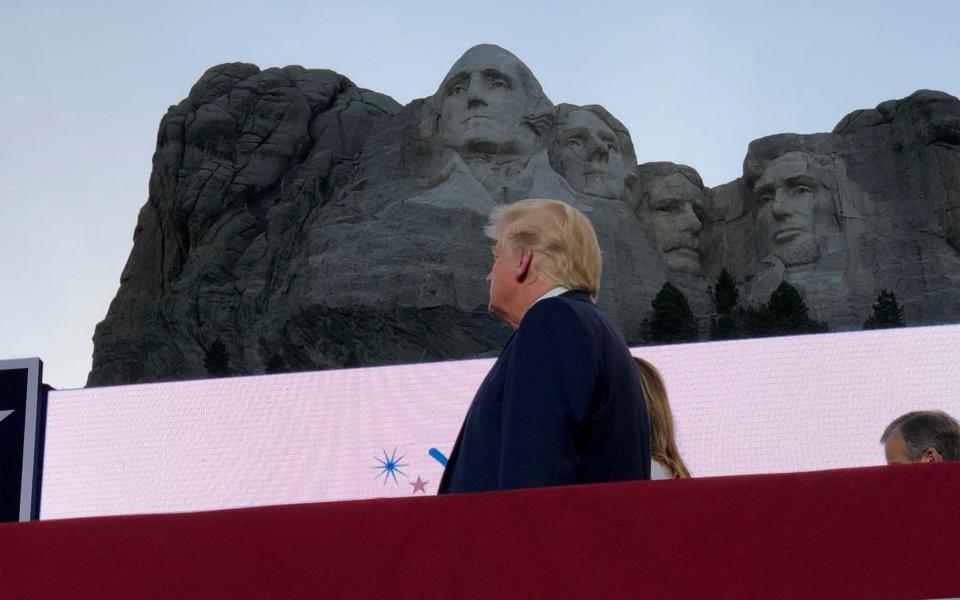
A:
(557, 307)
(559, 318)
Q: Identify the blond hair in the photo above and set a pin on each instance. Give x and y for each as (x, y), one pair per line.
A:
(663, 443)
(563, 242)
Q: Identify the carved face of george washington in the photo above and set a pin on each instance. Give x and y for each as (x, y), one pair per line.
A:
(485, 101)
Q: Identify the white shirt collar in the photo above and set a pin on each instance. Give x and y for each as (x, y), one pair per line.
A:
(552, 293)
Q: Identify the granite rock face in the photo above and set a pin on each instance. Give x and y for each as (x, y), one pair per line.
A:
(305, 223)
(843, 215)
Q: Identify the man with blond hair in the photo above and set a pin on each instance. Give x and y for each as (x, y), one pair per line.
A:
(562, 404)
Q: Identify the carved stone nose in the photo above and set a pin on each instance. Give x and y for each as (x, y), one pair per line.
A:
(475, 89)
(689, 222)
(781, 205)
(597, 149)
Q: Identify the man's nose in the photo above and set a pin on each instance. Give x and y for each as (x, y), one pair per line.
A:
(597, 150)
(781, 204)
(489, 275)
(476, 94)
(689, 221)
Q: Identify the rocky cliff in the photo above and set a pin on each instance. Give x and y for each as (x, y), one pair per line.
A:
(301, 222)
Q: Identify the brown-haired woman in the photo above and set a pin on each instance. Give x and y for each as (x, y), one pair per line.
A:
(665, 458)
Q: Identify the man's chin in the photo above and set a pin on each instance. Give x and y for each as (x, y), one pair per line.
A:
(604, 186)
(800, 251)
(481, 135)
(501, 315)
(684, 260)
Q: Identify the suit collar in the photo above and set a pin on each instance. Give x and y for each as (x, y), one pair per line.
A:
(577, 295)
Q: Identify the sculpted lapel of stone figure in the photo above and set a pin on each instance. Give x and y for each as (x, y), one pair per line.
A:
(672, 204)
(593, 151)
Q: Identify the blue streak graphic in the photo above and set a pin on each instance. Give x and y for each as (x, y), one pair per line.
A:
(438, 456)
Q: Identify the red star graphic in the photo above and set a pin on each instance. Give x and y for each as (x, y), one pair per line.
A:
(419, 485)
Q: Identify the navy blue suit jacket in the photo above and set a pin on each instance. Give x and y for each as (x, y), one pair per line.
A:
(562, 405)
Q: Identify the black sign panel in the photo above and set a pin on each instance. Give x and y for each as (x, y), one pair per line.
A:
(19, 428)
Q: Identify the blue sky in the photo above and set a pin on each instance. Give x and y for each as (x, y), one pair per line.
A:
(85, 85)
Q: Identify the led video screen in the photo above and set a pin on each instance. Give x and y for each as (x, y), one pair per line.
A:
(741, 407)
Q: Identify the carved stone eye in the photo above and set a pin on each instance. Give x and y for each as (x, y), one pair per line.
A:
(573, 143)
(669, 206)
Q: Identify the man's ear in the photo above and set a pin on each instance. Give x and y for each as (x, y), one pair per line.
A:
(931, 455)
(522, 268)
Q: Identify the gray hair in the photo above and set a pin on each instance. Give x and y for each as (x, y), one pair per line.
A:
(925, 429)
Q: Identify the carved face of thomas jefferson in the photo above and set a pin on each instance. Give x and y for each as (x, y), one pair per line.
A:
(787, 195)
(588, 154)
(484, 99)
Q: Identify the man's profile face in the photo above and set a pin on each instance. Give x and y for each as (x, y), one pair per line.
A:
(675, 213)
(502, 281)
(590, 155)
(484, 101)
(895, 449)
(787, 194)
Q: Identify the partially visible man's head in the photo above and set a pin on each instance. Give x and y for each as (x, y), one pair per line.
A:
(560, 241)
(922, 436)
(592, 150)
(788, 194)
(672, 204)
(490, 102)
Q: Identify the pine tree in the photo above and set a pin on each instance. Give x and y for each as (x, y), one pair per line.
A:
(724, 323)
(786, 313)
(672, 320)
(725, 295)
(786, 309)
(216, 360)
(886, 312)
(276, 364)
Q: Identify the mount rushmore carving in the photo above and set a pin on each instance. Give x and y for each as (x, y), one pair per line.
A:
(298, 222)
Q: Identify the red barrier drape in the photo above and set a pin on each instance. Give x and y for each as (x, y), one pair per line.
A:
(886, 532)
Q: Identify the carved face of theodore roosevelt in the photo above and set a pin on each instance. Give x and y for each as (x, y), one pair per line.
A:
(486, 103)
(588, 154)
(673, 205)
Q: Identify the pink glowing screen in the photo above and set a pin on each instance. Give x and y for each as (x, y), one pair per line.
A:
(751, 406)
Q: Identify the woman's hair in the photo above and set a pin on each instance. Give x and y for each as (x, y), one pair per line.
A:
(663, 443)
(563, 241)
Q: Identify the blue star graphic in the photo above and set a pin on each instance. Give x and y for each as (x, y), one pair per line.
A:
(390, 466)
